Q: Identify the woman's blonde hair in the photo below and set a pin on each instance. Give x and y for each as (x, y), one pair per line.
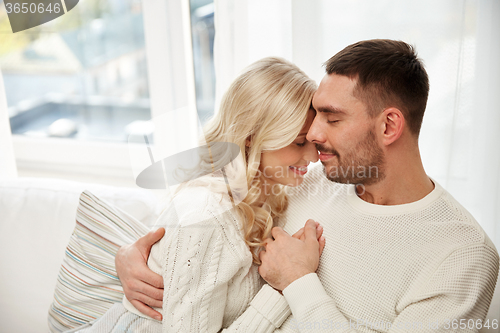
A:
(267, 106)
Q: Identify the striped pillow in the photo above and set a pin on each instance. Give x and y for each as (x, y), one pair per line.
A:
(87, 284)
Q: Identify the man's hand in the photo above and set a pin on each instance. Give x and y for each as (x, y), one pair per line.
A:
(141, 286)
(288, 258)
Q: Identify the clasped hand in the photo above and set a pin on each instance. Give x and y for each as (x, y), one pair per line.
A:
(287, 258)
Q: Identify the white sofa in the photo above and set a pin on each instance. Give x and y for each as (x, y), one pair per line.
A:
(37, 217)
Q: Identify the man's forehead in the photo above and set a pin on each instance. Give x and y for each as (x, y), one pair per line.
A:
(337, 82)
(335, 95)
(332, 91)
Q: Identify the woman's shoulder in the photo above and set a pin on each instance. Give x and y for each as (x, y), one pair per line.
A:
(205, 213)
(200, 204)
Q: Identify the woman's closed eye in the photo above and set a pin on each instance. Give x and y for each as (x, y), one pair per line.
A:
(301, 144)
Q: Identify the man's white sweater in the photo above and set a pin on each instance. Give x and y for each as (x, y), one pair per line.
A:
(426, 266)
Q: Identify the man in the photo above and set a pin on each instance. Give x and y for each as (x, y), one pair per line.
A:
(401, 253)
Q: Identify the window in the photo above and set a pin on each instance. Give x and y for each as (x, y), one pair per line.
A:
(203, 31)
(81, 76)
(78, 85)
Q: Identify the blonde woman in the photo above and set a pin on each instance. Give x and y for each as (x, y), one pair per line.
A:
(208, 257)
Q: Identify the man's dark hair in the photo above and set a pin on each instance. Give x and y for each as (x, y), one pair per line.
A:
(388, 74)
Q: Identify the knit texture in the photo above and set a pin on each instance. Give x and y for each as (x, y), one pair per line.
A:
(206, 266)
(118, 320)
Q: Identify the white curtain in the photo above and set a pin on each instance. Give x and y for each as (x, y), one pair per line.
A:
(7, 160)
(459, 42)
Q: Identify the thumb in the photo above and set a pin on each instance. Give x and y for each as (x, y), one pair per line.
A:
(147, 241)
(299, 234)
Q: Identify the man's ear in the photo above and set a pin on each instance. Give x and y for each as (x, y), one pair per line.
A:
(392, 125)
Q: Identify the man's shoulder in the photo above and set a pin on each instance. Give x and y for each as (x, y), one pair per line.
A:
(461, 222)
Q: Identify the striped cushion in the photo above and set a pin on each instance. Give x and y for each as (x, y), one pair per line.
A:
(87, 284)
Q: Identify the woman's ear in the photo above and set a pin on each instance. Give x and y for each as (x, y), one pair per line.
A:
(393, 123)
(248, 142)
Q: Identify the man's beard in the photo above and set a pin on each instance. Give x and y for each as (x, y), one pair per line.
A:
(363, 165)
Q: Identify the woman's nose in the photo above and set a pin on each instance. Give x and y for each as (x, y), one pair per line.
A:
(311, 153)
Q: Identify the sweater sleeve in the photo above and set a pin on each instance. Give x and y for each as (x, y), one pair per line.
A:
(460, 289)
(267, 311)
(198, 267)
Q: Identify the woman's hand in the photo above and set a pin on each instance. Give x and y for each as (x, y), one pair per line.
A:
(142, 287)
(319, 235)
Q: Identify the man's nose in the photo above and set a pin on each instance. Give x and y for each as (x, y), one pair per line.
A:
(316, 132)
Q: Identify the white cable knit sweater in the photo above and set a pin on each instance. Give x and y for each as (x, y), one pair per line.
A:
(207, 268)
